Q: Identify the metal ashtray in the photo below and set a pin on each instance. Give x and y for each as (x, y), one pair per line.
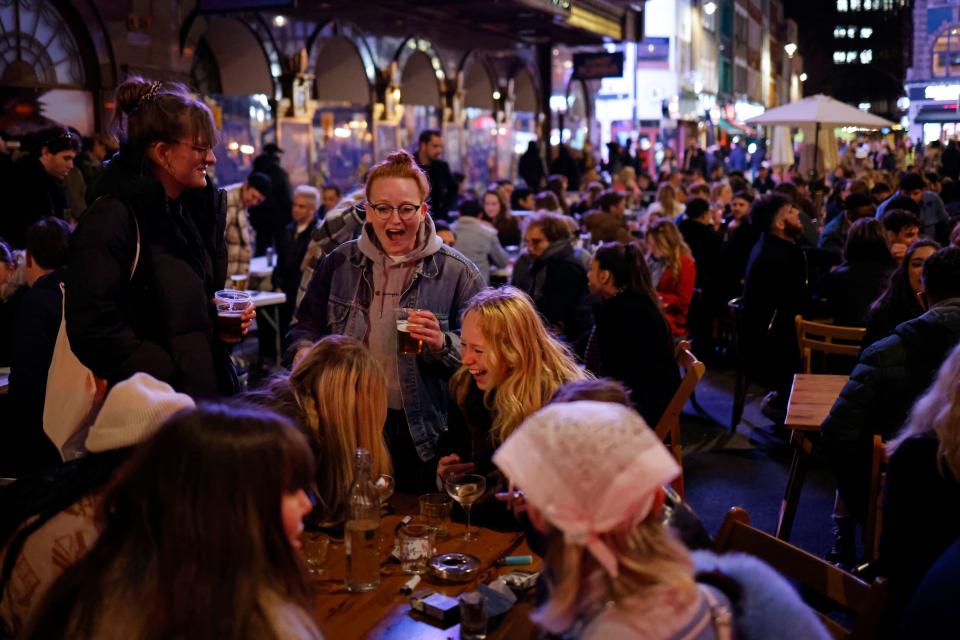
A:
(454, 567)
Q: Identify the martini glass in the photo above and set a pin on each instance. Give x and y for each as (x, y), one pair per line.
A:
(466, 489)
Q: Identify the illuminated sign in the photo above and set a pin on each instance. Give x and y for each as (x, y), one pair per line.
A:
(942, 92)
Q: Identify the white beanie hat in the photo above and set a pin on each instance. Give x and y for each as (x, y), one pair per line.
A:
(132, 411)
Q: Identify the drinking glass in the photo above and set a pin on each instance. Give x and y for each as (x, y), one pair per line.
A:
(473, 616)
(466, 489)
(407, 345)
(230, 307)
(435, 512)
(314, 549)
(384, 485)
(416, 547)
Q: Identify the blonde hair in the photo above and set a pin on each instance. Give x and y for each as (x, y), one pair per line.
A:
(342, 393)
(399, 164)
(667, 198)
(536, 362)
(938, 411)
(648, 558)
(666, 237)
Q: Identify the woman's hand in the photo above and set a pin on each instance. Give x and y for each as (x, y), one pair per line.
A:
(450, 466)
(514, 499)
(425, 326)
(246, 320)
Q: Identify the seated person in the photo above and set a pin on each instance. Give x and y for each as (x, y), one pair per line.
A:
(922, 487)
(852, 287)
(834, 234)
(902, 229)
(609, 223)
(497, 213)
(890, 375)
(199, 535)
(511, 367)
(591, 474)
(673, 272)
(49, 519)
(900, 299)
(478, 240)
(337, 396)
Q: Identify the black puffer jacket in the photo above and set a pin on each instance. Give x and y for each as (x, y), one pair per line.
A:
(558, 286)
(887, 380)
(162, 320)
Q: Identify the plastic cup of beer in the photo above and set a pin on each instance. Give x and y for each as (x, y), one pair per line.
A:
(407, 345)
(238, 281)
(230, 307)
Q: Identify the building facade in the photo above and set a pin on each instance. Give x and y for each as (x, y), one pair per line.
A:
(933, 80)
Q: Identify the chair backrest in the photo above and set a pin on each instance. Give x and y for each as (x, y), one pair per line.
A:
(827, 338)
(813, 574)
(669, 424)
(871, 533)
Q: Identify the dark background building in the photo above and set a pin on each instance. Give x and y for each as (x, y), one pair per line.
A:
(856, 50)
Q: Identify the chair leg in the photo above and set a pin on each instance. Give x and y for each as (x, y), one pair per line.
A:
(739, 400)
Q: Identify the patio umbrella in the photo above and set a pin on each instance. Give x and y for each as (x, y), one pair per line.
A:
(819, 111)
(781, 154)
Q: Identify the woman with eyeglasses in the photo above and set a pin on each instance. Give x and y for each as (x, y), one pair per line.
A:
(359, 289)
(149, 254)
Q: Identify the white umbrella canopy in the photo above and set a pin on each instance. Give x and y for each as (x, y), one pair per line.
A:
(781, 154)
(822, 110)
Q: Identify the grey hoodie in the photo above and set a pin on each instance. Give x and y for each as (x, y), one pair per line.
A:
(391, 277)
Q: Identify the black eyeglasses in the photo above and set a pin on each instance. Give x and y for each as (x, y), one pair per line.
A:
(384, 211)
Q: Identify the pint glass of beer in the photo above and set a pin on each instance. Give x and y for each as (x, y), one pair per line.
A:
(230, 306)
(239, 281)
(407, 345)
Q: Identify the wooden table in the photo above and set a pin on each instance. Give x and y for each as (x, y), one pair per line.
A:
(811, 398)
(385, 612)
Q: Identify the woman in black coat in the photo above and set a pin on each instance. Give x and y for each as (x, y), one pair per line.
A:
(149, 254)
(631, 340)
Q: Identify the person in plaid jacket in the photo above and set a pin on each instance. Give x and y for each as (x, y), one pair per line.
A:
(239, 234)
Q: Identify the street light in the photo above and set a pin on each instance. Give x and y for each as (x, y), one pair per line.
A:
(710, 8)
(803, 77)
(790, 48)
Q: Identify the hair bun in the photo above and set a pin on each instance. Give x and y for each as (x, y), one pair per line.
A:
(401, 157)
(131, 92)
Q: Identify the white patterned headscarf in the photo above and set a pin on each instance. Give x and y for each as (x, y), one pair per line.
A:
(589, 468)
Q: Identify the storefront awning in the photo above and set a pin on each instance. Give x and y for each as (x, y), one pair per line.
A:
(938, 113)
(736, 129)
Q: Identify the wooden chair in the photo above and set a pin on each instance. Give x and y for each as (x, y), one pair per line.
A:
(741, 383)
(878, 475)
(826, 338)
(669, 425)
(834, 586)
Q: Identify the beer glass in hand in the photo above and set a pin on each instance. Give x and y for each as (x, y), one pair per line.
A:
(230, 307)
(407, 345)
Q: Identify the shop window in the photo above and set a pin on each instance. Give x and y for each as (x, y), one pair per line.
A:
(946, 53)
(36, 46)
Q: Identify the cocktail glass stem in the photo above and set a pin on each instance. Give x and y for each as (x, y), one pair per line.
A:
(468, 535)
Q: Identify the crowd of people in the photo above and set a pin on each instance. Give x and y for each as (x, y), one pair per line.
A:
(571, 286)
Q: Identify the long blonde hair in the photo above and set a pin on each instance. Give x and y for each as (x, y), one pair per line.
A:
(938, 410)
(536, 362)
(342, 393)
(648, 557)
(667, 198)
(666, 237)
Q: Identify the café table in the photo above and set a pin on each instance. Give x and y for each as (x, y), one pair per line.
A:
(259, 268)
(268, 306)
(385, 612)
(811, 398)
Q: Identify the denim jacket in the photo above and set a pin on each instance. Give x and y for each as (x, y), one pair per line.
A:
(338, 302)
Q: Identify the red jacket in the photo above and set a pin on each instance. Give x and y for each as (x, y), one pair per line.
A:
(676, 294)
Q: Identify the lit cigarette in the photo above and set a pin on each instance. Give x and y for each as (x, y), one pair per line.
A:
(410, 585)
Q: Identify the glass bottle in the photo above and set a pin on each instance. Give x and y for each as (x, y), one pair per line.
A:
(362, 531)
